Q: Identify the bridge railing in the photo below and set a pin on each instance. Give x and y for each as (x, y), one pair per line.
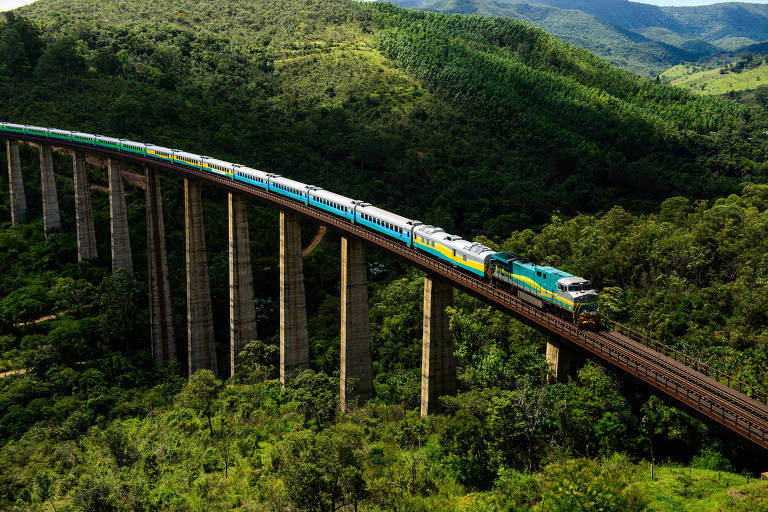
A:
(683, 358)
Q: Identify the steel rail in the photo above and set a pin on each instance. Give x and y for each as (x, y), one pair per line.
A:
(716, 388)
(682, 357)
(638, 357)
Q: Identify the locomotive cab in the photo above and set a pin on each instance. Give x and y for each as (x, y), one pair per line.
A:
(579, 292)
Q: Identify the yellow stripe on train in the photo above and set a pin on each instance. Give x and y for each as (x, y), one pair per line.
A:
(448, 253)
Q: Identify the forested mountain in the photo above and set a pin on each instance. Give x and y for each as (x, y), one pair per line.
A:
(642, 38)
(486, 126)
(619, 46)
(424, 111)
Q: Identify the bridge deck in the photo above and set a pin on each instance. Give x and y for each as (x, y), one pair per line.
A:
(628, 351)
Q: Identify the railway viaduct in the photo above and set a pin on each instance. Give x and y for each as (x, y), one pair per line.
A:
(711, 395)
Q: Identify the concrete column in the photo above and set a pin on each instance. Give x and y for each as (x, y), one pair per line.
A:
(355, 329)
(86, 235)
(294, 340)
(438, 364)
(564, 360)
(242, 313)
(51, 217)
(118, 220)
(160, 312)
(16, 184)
(201, 348)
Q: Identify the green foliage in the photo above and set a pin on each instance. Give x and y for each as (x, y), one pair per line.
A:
(258, 361)
(315, 395)
(25, 304)
(200, 394)
(60, 61)
(692, 275)
(711, 459)
(324, 471)
(464, 443)
(587, 485)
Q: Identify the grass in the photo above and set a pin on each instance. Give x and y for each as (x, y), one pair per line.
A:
(711, 82)
(676, 488)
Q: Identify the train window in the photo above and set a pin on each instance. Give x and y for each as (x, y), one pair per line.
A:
(538, 273)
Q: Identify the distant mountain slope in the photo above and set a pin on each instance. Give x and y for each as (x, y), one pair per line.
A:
(620, 47)
(747, 74)
(638, 37)
(709, 22)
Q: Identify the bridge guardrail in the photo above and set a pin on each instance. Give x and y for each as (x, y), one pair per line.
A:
(682, 357)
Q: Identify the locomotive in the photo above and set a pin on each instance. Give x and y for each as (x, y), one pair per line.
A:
(543, 286)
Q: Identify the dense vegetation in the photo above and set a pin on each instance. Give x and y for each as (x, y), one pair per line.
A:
(481, 125)
(360, 99)
(93, 427)
(621, 47)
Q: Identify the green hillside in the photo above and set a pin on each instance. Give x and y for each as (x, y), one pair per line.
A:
(486, 126)
(721, 24)
(635, 36)
(712, 81)
(745, 77)
(371, 101)
(620, 47)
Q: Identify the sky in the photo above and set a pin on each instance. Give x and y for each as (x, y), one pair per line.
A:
(7, 5)
(682, 3)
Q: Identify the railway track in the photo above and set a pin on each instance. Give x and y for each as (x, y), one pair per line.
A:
(686, 381)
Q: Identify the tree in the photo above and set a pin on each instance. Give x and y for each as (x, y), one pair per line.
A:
(72, 295)
(118, 300)
(60, 60)
(257, 362)
(322, 472)
(25, 304)
(200, 394)
(464, 440)
(516, 423)
(315, 395)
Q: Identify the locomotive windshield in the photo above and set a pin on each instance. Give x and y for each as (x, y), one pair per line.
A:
(585, 286)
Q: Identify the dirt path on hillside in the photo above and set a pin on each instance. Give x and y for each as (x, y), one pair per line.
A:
(321, 230)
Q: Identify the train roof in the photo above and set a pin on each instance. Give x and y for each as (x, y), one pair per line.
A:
(190, 156)
(289, 182)
(332, 196)
(385, 215)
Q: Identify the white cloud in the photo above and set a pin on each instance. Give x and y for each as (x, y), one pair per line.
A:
(7, 5)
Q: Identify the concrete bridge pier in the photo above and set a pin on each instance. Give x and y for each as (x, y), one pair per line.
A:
(118, 220)
(16, 184)
(438, 364)
(51, 214)
(294, 340)
(160, 313)
(242, 313)
(564, 360)
(201, 348)
(355, 328)
(86, 234)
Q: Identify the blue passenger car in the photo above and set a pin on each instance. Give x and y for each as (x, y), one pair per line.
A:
(288, 188)
(385, 222)
(251, 176)
(333, 203)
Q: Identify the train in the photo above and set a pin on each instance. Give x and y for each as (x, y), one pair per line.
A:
(545, 287)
